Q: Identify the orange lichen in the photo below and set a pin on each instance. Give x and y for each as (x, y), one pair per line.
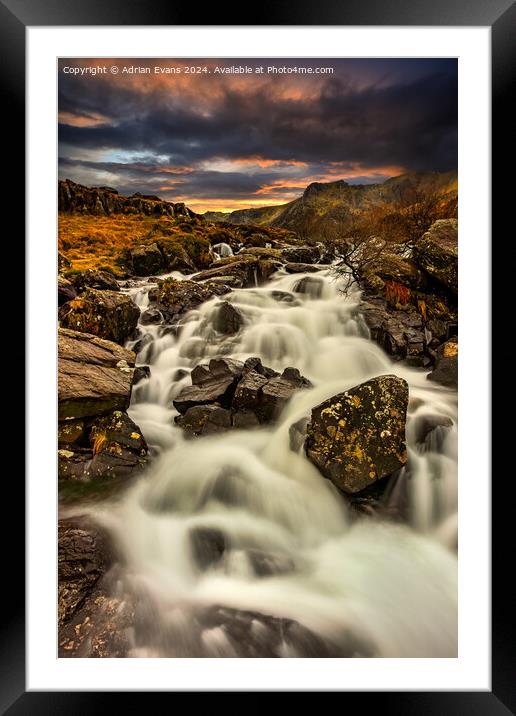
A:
(396, 293)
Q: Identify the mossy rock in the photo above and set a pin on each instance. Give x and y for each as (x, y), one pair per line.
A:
(358, 437)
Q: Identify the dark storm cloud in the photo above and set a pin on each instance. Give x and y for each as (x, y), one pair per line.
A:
(369, 114)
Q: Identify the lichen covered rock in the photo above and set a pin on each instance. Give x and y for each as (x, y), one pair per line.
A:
(174, 298)
(106, 314)
(358, 437)
(92, 278)
(437, 252)
(112, 447)
(147, 260)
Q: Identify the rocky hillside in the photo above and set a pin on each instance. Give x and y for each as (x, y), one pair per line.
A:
(143, 235)
(104, 201)
(399, 206)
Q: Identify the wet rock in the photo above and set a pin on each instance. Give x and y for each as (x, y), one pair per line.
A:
(84, 555)
(255, 363)
(94, 375)
(65, 291)
(227, 281)
(249, 270)
(302, 268)
(142, 342)
(255, 635)
(92, 278)
(297, 434)
(205, 420)
(69, 432)
(358, 437)
(210, 384)
(310, 286)
(228, 319)
(437, 253)
(117, 450)
(173, 298)
(249, 392)
(151, 317)
(245, 420)
(106, 314)
(429, 431)
(208, 545)
(102, 628)
(446, 367)
(283, 296)
(266, 564)
(276, 393)
(147, 260)
(400, 333)
(301, 255)
(141, 372)
(261, 252)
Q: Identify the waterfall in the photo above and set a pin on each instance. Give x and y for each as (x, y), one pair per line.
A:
(223, 250)
(390, 586)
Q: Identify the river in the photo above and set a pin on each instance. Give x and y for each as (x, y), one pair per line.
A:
(367, 586)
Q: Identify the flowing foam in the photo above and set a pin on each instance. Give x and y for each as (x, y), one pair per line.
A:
(389, 585)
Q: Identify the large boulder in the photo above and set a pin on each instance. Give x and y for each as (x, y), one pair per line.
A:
(175, 298)
(106, 314)
(147, 260)
(446, 368)
(175, 256)
(389, 268)
(437, 253)
(92, 278)
(358, 437)
(94, 375)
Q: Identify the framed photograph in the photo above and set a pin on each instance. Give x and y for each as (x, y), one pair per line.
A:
(256, 458)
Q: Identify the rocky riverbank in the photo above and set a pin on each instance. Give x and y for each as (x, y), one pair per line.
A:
(355, 439)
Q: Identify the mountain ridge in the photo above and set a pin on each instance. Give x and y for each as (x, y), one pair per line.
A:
(323, 204)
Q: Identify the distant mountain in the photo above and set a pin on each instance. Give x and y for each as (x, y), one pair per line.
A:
(325, 208)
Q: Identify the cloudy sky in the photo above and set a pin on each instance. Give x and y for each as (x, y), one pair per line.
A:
(226, 141)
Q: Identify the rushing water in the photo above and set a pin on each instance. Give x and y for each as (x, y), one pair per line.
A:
(391, 586)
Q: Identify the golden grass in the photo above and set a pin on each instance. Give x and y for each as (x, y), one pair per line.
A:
(93, 242)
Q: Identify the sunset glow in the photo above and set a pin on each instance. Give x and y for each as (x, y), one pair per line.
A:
(231, 141)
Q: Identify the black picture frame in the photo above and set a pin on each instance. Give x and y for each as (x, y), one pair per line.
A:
(500, 15)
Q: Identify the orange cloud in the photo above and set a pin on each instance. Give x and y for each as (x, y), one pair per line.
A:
(78, 120)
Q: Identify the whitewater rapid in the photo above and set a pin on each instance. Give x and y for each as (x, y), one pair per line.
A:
(392, 586)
